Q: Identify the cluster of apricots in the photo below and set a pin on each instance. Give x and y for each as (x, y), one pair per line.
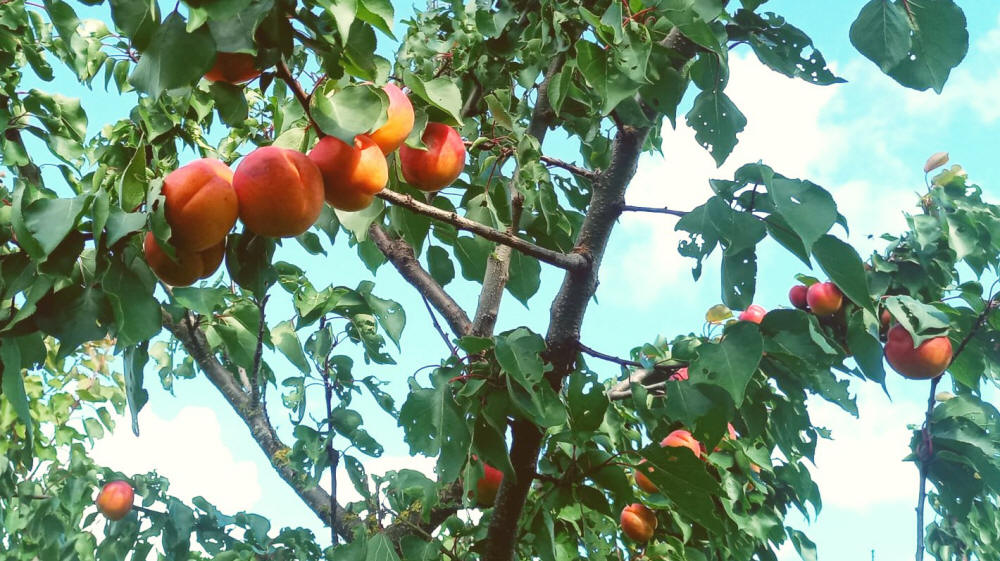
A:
(115, 500)
(921, 362)
(278, 192)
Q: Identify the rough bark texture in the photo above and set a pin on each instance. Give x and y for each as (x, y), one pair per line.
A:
(400, 254)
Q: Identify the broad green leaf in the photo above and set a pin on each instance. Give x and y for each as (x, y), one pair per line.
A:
(12, 383)
(439, 265)
(730, 363)
(440, 92)
(135, 359)
(284, 337)
(160, 68)
(716, 121)
(136, 312)
(519, 354)
(136, 19)
(843, 266)
(525, 276)
(806, 207)
(50, 220)
(390, 314)
(939, 42)
(881, 32)
(349, 112)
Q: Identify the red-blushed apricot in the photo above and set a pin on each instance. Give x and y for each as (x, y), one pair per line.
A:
(824, 298)
(201, 205)
(190, 265)
(115, 500)
(488, 485)
(440, 164)
(797, 296)
(683, 438)
(351, 174)
(399, 123)
(638, 522)
(926, 361)
(753, 314)
(233, 68)
(280, 192)
(679, 376)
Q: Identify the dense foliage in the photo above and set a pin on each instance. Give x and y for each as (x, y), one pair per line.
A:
(82, 303)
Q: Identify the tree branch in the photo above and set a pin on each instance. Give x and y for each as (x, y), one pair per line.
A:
(555, 258)
(187, 332)
(286, 75)
(400, 254)
(658, 210)
(572, 168)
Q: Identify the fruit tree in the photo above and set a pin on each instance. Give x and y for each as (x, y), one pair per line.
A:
(491, 140)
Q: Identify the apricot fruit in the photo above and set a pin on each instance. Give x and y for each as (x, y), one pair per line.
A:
(642, 481)
(440, 164)
(682, 438)
(399, 123)
(190, 265)
(926, 361)
(233, 68)
(680, 375)
(797, 296)
(753, 314)
(638, 522)
(201, 205)
(351, 174)
(824, 298)
(115, 500)
(488, 485)
(280, 192)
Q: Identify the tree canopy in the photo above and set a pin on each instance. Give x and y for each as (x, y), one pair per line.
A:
(494, 139)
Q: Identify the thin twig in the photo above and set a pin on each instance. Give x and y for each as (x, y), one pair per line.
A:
(437, 326)
(332, 455)
(610, 358)
(300, 94)
(572, 168)
(568, 261)
(653, 209)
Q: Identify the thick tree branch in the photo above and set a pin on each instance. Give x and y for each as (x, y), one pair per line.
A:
(498, 264)
(400, 254)
(555, 258)
(187, 332)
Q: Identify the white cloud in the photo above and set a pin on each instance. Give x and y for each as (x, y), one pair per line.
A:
(190, 451)
(872, 446)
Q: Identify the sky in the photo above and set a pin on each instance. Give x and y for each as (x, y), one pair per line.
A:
(865, 141)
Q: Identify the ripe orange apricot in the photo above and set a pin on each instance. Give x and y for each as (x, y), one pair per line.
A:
(280, 192)
(488, 485)
(638, 522)
(201, 205)
(437, 166)
(233, 68)
(753, 314)
(351, 174)
(680, 375)
(115, 500)
(683, 438)
(190, 265)
(400, 120)
(926, 361)
(824, 298)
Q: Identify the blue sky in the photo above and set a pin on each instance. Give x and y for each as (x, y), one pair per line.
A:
(865, 141)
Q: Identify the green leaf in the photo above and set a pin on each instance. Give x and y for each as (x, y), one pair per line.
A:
(284, 337)
(525, 276)
(349, 112)
(13, 383)
(135, 359)
(248, 260)
(803, 545)
(230, 102)
(806, 207)
(881, 32)
(136, 19)
(519, 354)
(682, 478)
(136, 312)
(608, 82)
(716, 121)
(121, 224)
(203, 300)
(390, 314)
(160, 68)
(358, 222)
(787, 49)
(71, 315)
(233, 27)
(940, 41)
(440, 265)
(434, 425)
(50, 220)
(730, 363)
(866, 348)
(441, 92)
(380, 549)
(586, 406)
(843, 266)
(379, 13)
(739, 278)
